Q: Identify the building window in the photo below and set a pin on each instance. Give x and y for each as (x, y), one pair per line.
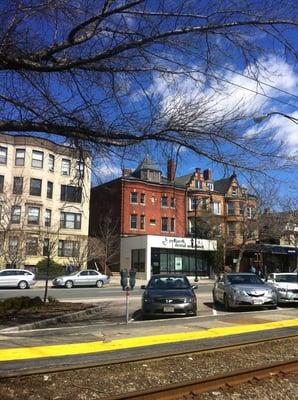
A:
(20, 157)
(210, 186)
(3, 155)
(234, 190)
(50, 190)
(217, 230)
(250, 212)
(164, 201)
(173, 202)
(46, 247)
(193, 203)
(80, 169)
(16, 215)
(70, 220)
(35, 187)
(65, 166)
(73, 194)
(241, 208)
(217, 208)
(172, 224)
(164, 224)
(68, 248)
(32, 246)
(1, 183)
(142, 222)
(205, 204)
(48, 217)
(143, 198)
(33, 215)
(13, 246)
(152, 222)
(231, 226)
(198, 184)
(17, 185)
(37, 159)
(133, 221)
(138, 259)
(51, 162)
(133, 197)
(230, 209)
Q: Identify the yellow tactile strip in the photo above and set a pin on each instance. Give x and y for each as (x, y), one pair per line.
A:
(23, 353)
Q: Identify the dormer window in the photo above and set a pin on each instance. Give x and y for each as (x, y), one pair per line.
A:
(234, 190)
(210, 186)
(198, 184)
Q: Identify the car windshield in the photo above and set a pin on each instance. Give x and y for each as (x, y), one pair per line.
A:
(287, 278)
(244, 280)
(169, 282)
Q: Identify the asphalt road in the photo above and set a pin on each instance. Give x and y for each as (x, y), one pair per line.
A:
(85, 294)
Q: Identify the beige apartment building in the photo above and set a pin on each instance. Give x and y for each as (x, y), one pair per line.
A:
(44, 201)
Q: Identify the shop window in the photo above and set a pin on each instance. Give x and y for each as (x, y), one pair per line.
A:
(138, 259)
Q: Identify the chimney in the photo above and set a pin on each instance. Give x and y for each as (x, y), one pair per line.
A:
(126, 171)
(207, 174)
(171, 172)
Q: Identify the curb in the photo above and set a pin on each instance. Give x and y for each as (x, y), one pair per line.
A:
(76, 316)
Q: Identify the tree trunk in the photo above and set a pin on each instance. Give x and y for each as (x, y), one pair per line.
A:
(239, 259)
(47, 280)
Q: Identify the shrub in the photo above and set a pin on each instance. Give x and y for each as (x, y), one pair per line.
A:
(18, 303)
(55, 269)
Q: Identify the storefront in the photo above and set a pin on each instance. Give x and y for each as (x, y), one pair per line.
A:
(150, 254)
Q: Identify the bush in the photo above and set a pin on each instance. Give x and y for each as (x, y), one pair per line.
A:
(18, 303)
(55, 269)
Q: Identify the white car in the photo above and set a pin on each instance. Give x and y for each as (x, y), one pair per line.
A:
(87, 277)
(286, 284)
(17, 278)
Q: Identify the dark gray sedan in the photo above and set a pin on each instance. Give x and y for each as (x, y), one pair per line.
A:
(169, 295)
(237, 290)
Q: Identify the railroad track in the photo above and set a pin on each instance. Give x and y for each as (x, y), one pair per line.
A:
(189, 390)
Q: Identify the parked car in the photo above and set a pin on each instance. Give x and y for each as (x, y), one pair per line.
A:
(286, 284)
(169, 295)
(17, 278)
(87, 277)
(237, 290)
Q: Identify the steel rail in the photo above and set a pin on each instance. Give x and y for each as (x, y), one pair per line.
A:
(130, 359)
(192, 388)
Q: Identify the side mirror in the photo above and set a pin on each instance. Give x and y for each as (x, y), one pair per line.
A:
(194, 287)
(143, 287)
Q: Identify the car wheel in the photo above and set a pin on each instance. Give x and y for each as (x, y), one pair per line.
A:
(227, 303)
(68, 284)
(23, 285)
(99, 284)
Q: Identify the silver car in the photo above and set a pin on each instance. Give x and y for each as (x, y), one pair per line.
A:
(286, 284)
(17, 278)
(87, 277)
(237, 290)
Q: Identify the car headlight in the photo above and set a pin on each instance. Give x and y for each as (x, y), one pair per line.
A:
(189, 300)
(239, 292)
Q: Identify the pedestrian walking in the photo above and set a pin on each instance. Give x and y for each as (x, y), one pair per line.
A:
(124, 278)
(132, 278)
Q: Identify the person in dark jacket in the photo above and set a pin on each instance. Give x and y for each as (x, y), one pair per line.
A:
(124, 278)
(132, 278)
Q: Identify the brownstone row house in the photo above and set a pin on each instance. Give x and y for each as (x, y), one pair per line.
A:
(169, 224)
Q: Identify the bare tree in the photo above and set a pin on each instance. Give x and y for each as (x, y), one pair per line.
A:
(103, 74)
(88, 249)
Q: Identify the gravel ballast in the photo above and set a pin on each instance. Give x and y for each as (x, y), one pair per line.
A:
(107, 381)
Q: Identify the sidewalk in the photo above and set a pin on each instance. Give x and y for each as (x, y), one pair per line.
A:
(115, 282)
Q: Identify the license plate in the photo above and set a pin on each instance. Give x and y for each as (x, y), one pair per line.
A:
(168, 309)
(258, 301)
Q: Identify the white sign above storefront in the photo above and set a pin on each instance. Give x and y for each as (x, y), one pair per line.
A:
(169, 242)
